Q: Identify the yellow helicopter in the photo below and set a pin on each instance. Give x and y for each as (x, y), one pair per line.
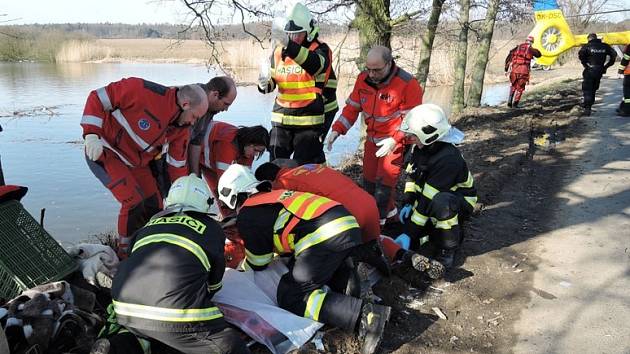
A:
(552, 35)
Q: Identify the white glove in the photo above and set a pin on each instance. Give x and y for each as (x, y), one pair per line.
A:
(264, 74)
(331, 139)
(619, 76)
(93, 146)
(387, 146)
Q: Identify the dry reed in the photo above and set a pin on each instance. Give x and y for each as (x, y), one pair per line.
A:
(81, 51)
(241, 58)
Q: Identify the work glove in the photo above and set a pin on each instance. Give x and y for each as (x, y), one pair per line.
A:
(93, 146)
(331, 139)
(387, 146)
(405, 213)
(403, 240)
(620, 76)
(264, 75)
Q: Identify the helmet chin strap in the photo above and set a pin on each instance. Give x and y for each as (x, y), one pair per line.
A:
(312, 34)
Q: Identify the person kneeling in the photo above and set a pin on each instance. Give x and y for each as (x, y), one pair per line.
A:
(439, 189)
(318, 234)
(164, 290)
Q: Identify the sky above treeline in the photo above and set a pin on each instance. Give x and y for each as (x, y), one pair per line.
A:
(17, 12)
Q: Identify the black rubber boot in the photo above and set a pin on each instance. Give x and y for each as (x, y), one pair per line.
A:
(509, 103)
(372, 254)
(446, 257)
(372, 325)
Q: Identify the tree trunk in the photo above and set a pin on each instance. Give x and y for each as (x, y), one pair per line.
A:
(426, 42)
(457, 99)
(373, 21)
(483, 48)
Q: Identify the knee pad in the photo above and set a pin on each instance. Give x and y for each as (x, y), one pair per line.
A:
(444, 206)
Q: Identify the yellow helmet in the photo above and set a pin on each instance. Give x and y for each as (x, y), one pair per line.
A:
(299, 19)
(189, 193)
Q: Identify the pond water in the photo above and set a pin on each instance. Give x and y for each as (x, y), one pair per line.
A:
(41, 145)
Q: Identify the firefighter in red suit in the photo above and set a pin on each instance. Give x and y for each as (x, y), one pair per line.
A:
(126, 125)
(330, 183)
(224, 144)
(517, 64)
(383, 92)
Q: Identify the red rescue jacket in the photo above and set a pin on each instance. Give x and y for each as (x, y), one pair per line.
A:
(384, 105)
(220, 150)
(133, 117)
(520, 58)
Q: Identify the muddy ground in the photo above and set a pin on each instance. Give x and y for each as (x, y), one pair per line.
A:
(516, 163)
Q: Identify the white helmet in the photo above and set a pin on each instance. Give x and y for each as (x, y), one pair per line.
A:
(299, 19)
(426, 121)
(236, 179)
(189, 193)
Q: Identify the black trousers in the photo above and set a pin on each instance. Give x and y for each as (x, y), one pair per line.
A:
(590, 84)
(309, 272)
(442, 231)
(624, 107)
(222, 341)
(303, 143)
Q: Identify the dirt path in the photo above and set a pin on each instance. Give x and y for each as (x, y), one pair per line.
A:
(542, 265)
(582, 280)
(515, 178)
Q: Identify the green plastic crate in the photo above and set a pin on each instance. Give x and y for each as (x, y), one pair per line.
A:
(29, 256)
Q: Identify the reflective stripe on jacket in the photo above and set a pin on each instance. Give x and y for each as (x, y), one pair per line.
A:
(133, 118)
(330, 183)
(220, 150)
(519, 59)
(301, 79)
(624, 65)
(297, 206)
(383, 105)
(436, 168)
(167, 283)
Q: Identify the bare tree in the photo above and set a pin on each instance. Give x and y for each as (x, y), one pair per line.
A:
(426, 42)
(457, 98)
(580, 13)
(483, 48)
(373, 19)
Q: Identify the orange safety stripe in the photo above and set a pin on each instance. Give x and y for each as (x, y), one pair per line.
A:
(311, 207)
(293, 77)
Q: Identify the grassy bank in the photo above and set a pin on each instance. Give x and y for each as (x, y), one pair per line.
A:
(240, 57)
(19, 44)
